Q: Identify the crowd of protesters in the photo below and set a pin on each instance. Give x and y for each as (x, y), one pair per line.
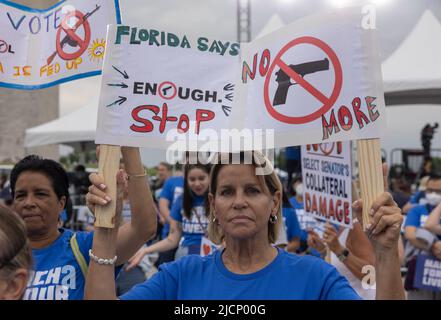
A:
(259, 233)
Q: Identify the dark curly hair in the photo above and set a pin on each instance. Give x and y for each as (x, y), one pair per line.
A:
(50, 168)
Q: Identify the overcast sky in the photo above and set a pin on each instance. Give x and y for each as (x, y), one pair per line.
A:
(217, 18)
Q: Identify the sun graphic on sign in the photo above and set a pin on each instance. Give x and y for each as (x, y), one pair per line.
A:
(96, 50)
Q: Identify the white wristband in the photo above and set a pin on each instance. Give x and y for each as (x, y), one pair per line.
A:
(101, 260)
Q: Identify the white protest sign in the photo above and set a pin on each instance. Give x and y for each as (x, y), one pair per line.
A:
(327, 181)
(315, 80)
(161, 88)
(207, 247)
(43, 48)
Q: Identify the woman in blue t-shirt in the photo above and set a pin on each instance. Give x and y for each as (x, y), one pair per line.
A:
(245, 213)
(40, 192)
(189, 220)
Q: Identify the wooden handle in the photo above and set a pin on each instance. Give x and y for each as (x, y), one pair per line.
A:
(108, 167)
(371, 174)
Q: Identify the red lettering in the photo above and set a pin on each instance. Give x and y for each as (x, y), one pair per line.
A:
(359, 115)
(183, 119)
(343, 115)
(202, 116)
(331, 211)
(373, 115)
(339, 147)
(246, 71)
(346, 207)
(329, 127)
(314, 204)
(148, 126)
(307, 202)
(323, 207)
(264, 62)
(339, 210)
(163, 120)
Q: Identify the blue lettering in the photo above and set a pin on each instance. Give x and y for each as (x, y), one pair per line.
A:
(16, 26)
(47, 21)
(57, 18)
(31, 24)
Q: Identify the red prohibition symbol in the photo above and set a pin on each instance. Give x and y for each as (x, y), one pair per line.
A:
(327, 102)
(327, 148)
(70, 31)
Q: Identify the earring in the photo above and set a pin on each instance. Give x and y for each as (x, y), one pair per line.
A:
(273, 219)
(214, 220)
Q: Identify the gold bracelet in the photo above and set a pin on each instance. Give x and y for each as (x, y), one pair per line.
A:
(129, 176)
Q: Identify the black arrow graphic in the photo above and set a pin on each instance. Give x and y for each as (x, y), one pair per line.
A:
(229, 87)
(122, 85)
(125, 75)
(119, 101)
(226, 110)
(229, 96)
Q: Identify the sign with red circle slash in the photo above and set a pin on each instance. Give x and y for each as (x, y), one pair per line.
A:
(296, 73)
(73, 38)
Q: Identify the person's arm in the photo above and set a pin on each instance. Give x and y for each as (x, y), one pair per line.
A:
(410, 235)
(142, 226)
(360, 254)
(436, 249)
(171, 242)
(315, 242)
(164, 210)
(100, 279)
(384, 232)
(407, 207)
(433, 222)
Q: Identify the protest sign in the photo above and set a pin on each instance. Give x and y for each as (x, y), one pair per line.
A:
(207, 247)
(428, 273)
(327, 181)
(316, 80)
(43, 48)
(159, 85)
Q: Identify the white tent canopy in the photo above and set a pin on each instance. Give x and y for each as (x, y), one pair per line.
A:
(79, 125)
(274, 23)
(416, 63)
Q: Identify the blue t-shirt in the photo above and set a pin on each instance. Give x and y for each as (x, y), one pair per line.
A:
(292, 153)
(173, 188)
(288, 277)
(418, 215)
(291, 223)
(57, 274)
(416, 197)
(300, 213)
(192, 229)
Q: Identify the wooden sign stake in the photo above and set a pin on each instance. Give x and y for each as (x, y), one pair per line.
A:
(371, 174)
(108, 166)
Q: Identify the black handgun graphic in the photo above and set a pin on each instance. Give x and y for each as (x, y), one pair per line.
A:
(302, 69)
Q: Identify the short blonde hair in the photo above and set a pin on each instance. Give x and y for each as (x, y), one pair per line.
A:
(270, 182)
